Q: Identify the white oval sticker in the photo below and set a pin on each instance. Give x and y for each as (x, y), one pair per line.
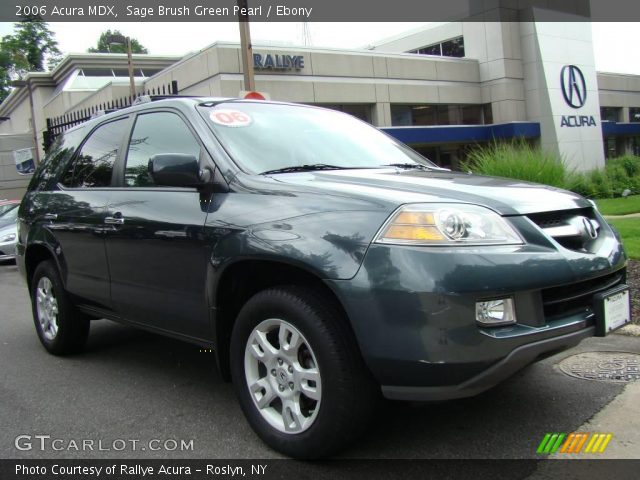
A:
(230, 118)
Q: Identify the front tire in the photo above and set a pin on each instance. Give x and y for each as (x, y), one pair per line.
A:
(61, 328)
(298, 373)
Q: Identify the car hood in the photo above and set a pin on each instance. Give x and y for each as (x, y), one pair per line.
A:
(505, 196)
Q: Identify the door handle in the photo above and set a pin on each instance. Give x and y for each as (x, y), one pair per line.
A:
(117, 219)
(50, 216)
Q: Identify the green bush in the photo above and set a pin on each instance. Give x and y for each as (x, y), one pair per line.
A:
(522, 161)
(623, 174)
(629, 163)
(517, 160)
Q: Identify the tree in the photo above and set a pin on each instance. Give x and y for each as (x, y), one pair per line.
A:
(104, 47)
(28, 49)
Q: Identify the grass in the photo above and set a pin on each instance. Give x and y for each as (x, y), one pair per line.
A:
(629, 229)
(517, 160)
(619, 206)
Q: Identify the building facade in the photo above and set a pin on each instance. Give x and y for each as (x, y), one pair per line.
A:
(442, 90)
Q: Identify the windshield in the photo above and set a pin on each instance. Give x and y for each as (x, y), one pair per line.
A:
(264, 137)
(9, 216)
(6, 207)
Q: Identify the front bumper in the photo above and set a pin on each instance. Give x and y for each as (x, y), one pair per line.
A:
(413, 312)
(7, 251)
(503, 369)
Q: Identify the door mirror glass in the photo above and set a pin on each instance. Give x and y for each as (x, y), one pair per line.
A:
(175, 170)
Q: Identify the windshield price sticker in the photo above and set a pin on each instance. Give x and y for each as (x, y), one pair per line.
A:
(230, 118)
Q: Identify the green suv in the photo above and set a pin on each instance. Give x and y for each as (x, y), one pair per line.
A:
(325, 263)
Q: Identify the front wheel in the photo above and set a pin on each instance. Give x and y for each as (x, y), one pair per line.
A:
(62, 329)
(298, 373)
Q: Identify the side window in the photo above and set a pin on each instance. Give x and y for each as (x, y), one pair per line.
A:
(93, 164)
(156, 133)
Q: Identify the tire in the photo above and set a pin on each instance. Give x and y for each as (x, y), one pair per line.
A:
(335, 392)
(61, 328)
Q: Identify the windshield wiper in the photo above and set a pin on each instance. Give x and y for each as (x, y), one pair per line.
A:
(409, 166)
(304, 168)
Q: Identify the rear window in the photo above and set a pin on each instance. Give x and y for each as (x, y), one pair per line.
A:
(263, 136)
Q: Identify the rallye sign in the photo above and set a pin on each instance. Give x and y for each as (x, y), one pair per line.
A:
(277, 62)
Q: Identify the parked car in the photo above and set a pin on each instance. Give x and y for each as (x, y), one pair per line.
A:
(8, 240)
(324, 262)
(9, 216)
(6, 205)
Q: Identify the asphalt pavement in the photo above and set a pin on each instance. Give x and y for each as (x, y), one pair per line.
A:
(133, 385)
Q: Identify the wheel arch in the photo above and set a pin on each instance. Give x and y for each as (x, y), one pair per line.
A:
(35, 254)
(239, 281)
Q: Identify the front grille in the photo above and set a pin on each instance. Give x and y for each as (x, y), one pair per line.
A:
(577, 297)
(568, 228)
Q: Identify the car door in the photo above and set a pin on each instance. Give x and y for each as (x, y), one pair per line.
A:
(156, 251)
(74, 212)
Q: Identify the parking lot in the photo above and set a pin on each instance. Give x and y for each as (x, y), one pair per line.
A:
(132, 385)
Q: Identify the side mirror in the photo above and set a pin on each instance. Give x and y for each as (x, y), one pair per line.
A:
(177, 170)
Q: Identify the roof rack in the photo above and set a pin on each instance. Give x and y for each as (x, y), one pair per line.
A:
(152, 98)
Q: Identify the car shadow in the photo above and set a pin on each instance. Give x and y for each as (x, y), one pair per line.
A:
(507, 421)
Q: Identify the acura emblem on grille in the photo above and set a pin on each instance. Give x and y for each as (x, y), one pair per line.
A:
(589, 228)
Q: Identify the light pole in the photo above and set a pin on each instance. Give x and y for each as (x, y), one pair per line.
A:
(245, 46)
(27, 85)
(118, 39)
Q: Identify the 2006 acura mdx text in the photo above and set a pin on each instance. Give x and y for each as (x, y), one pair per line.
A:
(323, 262)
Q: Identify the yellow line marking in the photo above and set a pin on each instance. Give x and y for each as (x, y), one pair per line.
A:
(598, 442)
(591, 442)
(606, 442)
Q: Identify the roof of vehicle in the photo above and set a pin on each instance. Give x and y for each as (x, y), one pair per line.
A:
(148, 101)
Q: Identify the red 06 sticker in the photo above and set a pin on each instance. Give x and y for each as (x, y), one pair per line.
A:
(230, 118)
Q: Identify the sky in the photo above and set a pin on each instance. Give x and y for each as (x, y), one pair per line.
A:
(614, 43)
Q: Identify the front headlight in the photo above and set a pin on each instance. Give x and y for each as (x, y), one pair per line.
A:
(447, 224)
(8, 238)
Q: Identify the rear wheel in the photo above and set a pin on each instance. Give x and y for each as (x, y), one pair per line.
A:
(298, 373)
(61, 328)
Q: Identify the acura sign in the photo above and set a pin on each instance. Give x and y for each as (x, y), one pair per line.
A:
(574, 91)
(574, 88)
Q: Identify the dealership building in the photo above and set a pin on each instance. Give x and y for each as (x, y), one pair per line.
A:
(442, 90)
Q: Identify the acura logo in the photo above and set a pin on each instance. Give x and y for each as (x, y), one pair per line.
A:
(574, 88)
(589, 228)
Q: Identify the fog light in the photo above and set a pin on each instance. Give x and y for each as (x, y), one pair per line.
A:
(496, 312)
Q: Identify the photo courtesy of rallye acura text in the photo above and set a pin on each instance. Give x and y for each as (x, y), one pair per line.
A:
(326, 264)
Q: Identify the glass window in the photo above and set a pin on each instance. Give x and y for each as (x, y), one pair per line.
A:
(431, 50)
(487, 113)
(634, 114)
(611, 114)
(449, 48)
(471, 114)
(93, 165)
(361, 111)
(156, 133)
(453, 48)
(426, 115)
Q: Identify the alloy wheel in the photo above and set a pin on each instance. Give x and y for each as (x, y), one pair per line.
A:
(282, 375)
(47, 308)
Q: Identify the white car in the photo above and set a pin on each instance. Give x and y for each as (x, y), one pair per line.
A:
(8, 238)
